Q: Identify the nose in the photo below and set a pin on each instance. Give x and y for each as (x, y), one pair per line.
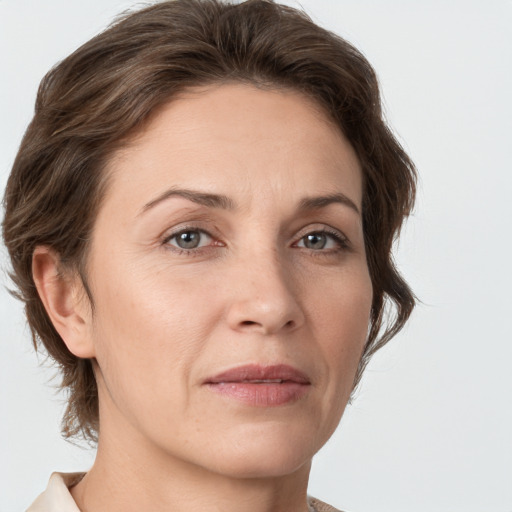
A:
(265, 298)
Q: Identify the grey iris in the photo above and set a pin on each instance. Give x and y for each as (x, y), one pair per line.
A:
(315, 241)
(188, 239)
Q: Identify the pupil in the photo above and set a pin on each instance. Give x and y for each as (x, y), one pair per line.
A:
(188, 239)
(315, 241)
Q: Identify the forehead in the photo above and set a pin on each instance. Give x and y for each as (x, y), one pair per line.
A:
(237, 138)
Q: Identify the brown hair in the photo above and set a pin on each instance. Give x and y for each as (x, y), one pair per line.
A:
(107, 89)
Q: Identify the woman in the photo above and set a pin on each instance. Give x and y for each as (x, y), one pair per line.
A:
(200, 220)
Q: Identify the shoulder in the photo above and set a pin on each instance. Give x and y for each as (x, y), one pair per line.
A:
(56, 497)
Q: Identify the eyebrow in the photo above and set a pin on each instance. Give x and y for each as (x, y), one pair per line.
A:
(317, 202)
(226, 203)
(202, 198)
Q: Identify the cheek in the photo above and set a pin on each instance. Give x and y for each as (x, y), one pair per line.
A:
(341, 322)
(151, 325)
(342, 303)
(339, 316)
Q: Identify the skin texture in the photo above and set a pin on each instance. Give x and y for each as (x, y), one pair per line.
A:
(254, 291)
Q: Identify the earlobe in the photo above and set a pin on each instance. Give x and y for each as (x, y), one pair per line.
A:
(64, 300)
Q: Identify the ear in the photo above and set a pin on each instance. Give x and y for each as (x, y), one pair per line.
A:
(65, 301)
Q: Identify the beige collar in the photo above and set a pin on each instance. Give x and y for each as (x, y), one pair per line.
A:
(57, 498)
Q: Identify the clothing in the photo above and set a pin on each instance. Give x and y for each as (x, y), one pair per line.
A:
(57, 498)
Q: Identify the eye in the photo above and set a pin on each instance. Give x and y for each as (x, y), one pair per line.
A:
(319, 240)
(189, 239)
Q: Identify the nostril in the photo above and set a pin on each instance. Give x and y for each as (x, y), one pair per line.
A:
(249, 323)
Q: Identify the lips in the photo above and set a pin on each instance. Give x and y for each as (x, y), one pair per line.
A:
(261, 385)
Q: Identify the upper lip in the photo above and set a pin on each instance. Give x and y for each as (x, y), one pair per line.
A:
(260, 373)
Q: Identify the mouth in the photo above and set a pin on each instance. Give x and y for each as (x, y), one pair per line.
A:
(263, 386)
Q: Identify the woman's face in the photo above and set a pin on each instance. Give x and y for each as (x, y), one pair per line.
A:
(230, 283)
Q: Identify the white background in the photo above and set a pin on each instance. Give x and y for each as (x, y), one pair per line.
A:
(431, 429)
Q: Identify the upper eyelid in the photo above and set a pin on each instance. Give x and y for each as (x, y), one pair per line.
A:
(196, 225)
(337, 234)
(193, 225)
(323, 228)
(192, 251)
(186, 230)
(344, 243)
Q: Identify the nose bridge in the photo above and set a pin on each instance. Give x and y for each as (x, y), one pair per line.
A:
(265, 298)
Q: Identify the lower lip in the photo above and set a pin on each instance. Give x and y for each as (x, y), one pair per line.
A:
(262, 395)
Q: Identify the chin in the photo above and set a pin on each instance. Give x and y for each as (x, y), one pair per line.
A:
(257, 466)
(261, 454)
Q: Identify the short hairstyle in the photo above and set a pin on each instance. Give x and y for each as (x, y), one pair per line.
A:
(94, 100)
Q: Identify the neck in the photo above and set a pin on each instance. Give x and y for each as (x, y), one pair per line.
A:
(133, 476)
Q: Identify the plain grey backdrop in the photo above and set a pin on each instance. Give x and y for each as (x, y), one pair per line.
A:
(431, 428)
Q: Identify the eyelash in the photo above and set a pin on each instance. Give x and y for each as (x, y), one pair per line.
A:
(187, 252)
(342, 242)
